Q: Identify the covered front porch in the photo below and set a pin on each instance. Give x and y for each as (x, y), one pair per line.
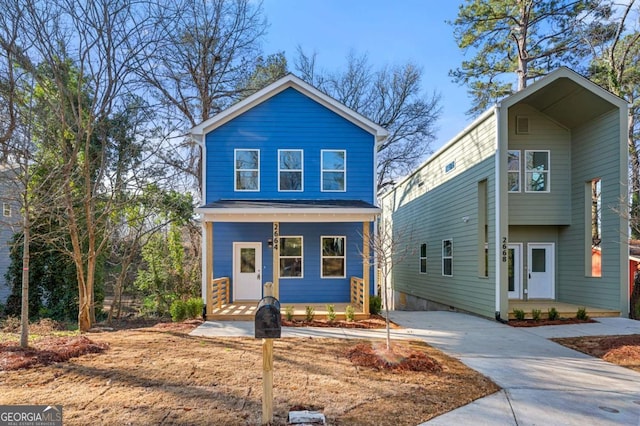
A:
(220, 308)
(254, 244)
(565, 310)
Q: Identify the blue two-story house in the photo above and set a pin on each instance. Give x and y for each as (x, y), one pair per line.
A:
(289, 189)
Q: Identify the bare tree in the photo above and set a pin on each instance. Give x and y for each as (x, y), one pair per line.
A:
(201, 50)
(81, 56)
(389, 248)
(390, 96)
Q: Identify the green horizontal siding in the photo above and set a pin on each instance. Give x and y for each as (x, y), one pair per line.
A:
(554, 207)
(595, 155)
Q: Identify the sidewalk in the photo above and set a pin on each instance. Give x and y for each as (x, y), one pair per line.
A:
(542, 382)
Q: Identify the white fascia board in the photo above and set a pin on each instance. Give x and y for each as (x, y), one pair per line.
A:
(273, 89)
(289, 215)
(563, 72)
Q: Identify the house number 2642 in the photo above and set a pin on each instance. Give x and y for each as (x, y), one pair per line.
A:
(504, 249)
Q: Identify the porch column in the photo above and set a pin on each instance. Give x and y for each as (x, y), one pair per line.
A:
(366, 265)
(276, 260)
(208, 255)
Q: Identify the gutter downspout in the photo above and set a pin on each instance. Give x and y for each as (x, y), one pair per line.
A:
(198, 140)
(498, 215)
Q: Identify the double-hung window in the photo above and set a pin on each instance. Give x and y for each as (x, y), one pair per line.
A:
(334, 170)
(333, 257)
(290, 167)
(6, 209)
(513, 172)
(291, 257)
(447, 258)
(423, 258)
(247, 169)
(537, 171)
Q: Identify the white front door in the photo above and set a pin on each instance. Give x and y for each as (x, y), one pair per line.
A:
(541, 271)
(247, 271)
(515, 270)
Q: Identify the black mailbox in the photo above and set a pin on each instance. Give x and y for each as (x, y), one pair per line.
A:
(268, 321)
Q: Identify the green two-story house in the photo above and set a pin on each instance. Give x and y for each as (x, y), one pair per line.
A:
(515, 206)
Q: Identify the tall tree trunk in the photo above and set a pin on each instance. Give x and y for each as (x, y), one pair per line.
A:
(24, 311)
(634, 183)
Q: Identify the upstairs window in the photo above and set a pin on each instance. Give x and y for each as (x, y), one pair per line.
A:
(447, 258)
(334, 169)
(247, 169)
(423, 258)
(537, 171)
(6, 209)
(513, 171)
(333, 257)
(290, 170)
(291, 257)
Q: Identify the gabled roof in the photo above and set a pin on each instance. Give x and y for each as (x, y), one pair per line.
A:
(567, 97)
(289, 81)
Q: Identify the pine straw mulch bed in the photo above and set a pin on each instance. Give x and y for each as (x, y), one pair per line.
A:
(159, 374)
(543, 322)
(620, 350)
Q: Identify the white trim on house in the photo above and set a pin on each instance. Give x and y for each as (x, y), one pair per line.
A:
(343, 171)
(301, 170)
(273, 89)
(236, 170)
(343, 257)
(288, 215)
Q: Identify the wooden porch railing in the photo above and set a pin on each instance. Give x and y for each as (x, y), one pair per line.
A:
(218, 293)
(359, 295)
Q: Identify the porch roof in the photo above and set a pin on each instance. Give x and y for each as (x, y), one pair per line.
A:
(289, 211)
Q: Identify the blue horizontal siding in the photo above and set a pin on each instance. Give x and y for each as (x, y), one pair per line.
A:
(309, 289)
(289, 120)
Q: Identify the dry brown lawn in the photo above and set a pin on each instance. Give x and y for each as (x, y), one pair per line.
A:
(161, 375)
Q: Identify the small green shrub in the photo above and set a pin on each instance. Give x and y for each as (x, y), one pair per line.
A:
(309, 313)
(350, 313)
(553, 314)
(375, 305)
(536, 314)
(178, 310)
(519, 314)
(582, 314)
(195, 305)
(331, 313)
(288, 313)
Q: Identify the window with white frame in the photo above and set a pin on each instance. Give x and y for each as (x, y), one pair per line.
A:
(513, 170)
(333, 257)
(290, 167)
(423, 258)
(537, 171)
(6, 209)
(334, 169)
(247, 169)
(291, 257)
(447, 258)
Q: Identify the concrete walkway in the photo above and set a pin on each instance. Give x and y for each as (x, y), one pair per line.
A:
(542, 382)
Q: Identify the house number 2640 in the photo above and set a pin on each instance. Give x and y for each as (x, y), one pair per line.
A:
(504, 249)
